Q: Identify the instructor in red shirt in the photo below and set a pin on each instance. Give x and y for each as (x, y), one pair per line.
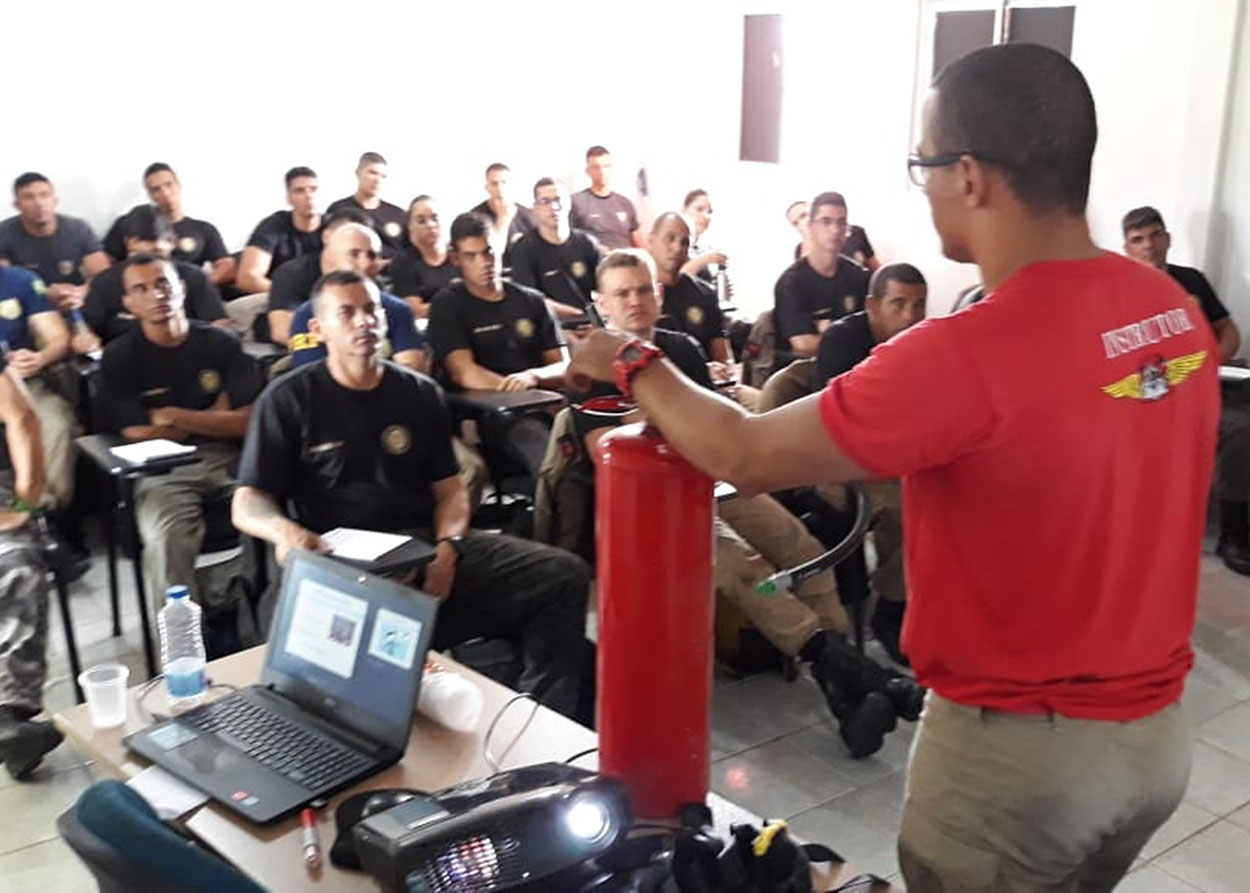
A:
(1055, 443)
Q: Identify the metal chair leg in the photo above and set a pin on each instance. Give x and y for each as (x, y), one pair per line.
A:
(67, 624)
(111, 541)
(149, 654)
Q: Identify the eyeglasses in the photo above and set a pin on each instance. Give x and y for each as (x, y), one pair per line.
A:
(919, 166)
(555, 203)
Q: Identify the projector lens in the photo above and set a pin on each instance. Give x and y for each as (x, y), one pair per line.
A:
(588, 820)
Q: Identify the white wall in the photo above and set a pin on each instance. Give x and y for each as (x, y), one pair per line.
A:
(233, 100)
(1228, 249)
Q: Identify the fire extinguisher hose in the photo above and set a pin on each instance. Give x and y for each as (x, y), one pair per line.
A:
(785, 580)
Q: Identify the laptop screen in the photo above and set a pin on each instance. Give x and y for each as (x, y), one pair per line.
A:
(350, 645)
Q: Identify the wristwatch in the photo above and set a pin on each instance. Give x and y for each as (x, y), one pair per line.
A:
(631, 358)
(456, 542)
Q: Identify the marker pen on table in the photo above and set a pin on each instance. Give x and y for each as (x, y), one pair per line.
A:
(312, 843)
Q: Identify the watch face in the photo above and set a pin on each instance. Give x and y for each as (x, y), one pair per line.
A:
(631, 353)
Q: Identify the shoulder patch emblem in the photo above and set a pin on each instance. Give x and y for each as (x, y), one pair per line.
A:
(694, 316)
(210, 381)
(578, 269)
(1156, 378)
(391, 229)
(65, 267)
(396, 440)
(187, 245)
(848, 303)
(525, 327)
(10, 308)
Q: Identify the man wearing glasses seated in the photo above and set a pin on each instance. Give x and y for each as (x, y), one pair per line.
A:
(556, 259)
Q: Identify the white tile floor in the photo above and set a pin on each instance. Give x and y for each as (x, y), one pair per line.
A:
(776, 752)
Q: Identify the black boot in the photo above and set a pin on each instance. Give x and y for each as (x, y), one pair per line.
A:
(23, 742)
(859, 675)
(887, 626)
(864, 719)
(1234, 543)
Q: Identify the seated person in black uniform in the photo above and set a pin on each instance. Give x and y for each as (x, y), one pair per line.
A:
(196, 242)
(554, 258)
(754, 535)
(62, 251)
(104, 310)
(896, 301)
(389, 220)
(508, 220)
(488, 334)
(355, 247)
(689, 303)
(1146, 239)
(293, 281)
(823, 285)
(422, 269)
(355, 441)
(283, 235)
(174, 378)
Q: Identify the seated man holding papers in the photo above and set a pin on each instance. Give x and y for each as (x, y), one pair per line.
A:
(354, 441)
(180, 380)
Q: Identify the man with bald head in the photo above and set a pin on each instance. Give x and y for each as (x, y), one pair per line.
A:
(184, 380)
(292, 283)
(689, 304)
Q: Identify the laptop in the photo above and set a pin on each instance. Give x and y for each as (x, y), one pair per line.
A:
(335, 701)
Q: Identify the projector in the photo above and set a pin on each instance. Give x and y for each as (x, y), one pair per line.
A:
(506, 832)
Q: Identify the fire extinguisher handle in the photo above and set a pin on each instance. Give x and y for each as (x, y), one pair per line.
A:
(785, 580)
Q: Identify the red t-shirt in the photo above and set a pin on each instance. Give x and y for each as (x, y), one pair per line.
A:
(1056, 443)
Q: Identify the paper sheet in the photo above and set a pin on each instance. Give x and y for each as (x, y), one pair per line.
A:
(138, 453)
(168, 795)
(362, 545)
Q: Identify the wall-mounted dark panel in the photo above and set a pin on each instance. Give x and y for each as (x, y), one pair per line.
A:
(761, 89)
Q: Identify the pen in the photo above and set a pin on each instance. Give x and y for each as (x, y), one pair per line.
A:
(312, 843)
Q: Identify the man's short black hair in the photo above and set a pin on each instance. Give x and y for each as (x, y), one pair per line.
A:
(29, 179)
(143, 222)
(468, 226)
(497, 166)
(1026, 110)
(670, 215)
(296, 172)
(595, 152)
(691, 196)
(543, 181)
(904, 274)
(144, 259)
(825, 198)
(156, 167)
(336, 278)
(370, 158)
(345, 215)
(1140, 218)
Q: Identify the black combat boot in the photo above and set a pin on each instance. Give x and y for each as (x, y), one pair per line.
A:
(1234, 543)
(23, 742)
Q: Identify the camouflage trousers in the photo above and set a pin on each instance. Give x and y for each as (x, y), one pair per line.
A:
(23, 621)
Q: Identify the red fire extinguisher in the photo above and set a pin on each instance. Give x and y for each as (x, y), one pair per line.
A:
(654, 552)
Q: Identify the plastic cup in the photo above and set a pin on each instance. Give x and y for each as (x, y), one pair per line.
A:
(105, 688)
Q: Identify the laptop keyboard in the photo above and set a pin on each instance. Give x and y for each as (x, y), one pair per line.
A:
(303, 756)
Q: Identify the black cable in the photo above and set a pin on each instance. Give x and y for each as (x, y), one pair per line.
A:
(788, 579)
(582, 753)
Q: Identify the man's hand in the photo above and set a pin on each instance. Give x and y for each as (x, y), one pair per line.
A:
(164, 416)
(26, 362)
(300, 539)
(593, 357)
(84, 342)
(11, 520)
(67, 297)
(519, 381)
(441, 572)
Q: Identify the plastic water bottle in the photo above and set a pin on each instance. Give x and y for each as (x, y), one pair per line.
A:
(182, 647)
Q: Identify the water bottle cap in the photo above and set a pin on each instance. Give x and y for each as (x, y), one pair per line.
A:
(177, 592)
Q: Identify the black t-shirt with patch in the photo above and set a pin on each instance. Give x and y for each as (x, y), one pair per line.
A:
(844, 345)
(690, 306)
(107, 316)
(347, 458)
(54, 258)
(411, 275)
(1200, 290)
(292, 283)
(139, 376)
(389, 221)
(197, 242)
(565, 273)
(801, 293)
(278, 236)
(678, 347)
(505, 336)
